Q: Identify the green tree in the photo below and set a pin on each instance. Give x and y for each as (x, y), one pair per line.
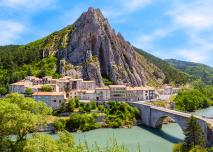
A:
(93, 104)
(82, 122)
(19, 116)
(101, 108)
(28, 91)
(47, 88)
(193, 135)
(194, 98)
(87, 107)
(3, 91)
(177, 148)
(29, 71)
(60, 124)
(71, 105)
(65, 143)
(198, 149)
(41, 142)
(77, 102)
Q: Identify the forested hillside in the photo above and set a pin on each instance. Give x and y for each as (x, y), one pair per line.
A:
(197, 70)
(171, 74)
(37, 58)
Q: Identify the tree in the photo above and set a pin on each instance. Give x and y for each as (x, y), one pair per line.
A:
(41, 142)
(42, 73)
(60, 124)
(77, 102)
(198, 149)
(87, 107)
(19, 116)
(177, 148)
(28, 91)
(71, 105)
(93, 104)
(65, 143)
(193, 135)
(29, 71)
(101, 108)
(46, 88)
(3, 91)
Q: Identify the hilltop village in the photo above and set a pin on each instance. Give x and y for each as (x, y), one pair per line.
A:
(62, 89)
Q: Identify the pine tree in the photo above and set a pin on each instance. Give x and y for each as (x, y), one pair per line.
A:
(193, 135)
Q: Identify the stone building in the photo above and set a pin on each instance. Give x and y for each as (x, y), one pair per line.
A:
(102, 94)
(52, 99)
(87, 95)
(117, 92)
(19, 87)
(134, 94)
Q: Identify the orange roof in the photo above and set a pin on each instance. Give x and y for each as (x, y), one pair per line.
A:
(48, 94)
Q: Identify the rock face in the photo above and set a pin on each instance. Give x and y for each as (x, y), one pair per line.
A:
(98, 51)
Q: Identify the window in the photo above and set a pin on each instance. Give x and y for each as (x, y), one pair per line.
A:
(54, 100)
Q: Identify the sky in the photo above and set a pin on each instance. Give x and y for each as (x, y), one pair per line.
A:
(180, 29)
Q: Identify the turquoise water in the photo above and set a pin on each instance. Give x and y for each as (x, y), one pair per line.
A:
(148, 139)
(205, 112)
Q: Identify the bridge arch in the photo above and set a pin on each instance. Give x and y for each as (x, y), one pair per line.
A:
(153, 116)
(157, 118)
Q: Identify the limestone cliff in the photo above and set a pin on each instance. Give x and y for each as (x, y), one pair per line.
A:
(91, 39)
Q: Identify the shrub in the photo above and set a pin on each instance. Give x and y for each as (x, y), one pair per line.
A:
(93, 104)
(60, 124)
(46, 88)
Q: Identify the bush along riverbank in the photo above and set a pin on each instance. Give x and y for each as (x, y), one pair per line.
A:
(88, 116)
(195, 97)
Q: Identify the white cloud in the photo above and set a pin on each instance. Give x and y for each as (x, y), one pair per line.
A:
(194, 19)
(146, 40)
(27, 4)
(10, 31)
(196, 15)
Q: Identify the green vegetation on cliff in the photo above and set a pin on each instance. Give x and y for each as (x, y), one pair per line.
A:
(197, 70)
(172, 75)
(36, 58)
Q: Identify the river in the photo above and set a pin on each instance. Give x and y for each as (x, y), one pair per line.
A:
(148, 139)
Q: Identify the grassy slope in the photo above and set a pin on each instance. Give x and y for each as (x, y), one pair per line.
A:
(197, 70)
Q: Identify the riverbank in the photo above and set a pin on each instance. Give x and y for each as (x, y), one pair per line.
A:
(148, 139)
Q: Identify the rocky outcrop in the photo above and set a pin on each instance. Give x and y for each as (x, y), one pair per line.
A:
(116, 58)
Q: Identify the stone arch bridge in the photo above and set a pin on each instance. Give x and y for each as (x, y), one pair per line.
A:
(153, 116)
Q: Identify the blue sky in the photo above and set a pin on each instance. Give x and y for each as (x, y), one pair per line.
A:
(181, 29)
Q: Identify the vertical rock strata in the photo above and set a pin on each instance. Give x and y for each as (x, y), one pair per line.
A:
(98, 52)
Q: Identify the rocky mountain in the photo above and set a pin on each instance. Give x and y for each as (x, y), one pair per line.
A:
(98, 51)
(197, 70)
(88, 49)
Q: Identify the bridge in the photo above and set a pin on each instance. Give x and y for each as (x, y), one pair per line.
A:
(153, 116)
